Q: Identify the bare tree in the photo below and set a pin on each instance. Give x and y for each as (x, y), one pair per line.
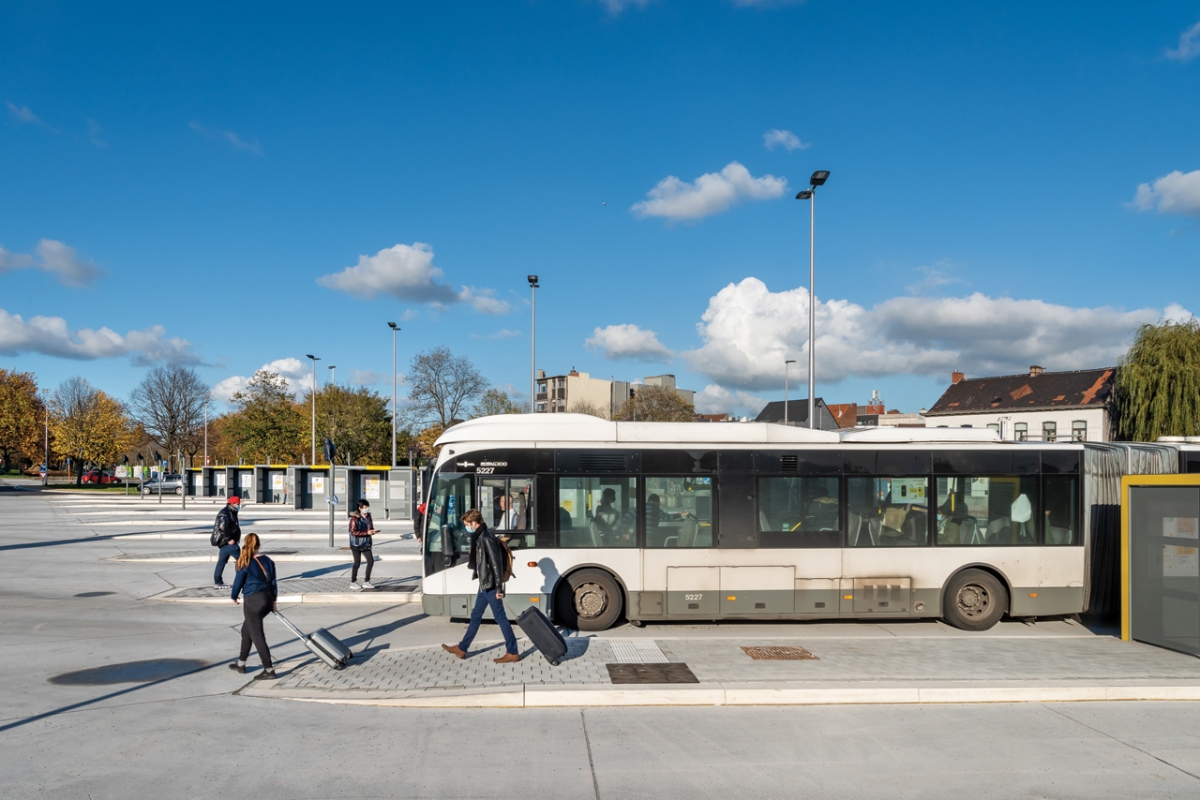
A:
(590, 408)
(170, 403)
(442, 385)
(496, 401)
(657, 404)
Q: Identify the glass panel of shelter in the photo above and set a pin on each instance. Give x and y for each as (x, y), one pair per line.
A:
(508, 508)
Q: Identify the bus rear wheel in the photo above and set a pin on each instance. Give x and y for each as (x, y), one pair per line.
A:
(589, 600)
(975, 600)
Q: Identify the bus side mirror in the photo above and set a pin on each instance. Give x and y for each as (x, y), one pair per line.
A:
(447, 541)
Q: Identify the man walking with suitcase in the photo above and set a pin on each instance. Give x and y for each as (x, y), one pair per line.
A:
(489, 565)
(227, 535)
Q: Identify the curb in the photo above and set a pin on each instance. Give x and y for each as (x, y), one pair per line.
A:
(277, 558)
(361, 598)
(717, 694)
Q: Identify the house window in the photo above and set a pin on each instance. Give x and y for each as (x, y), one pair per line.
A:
(1021, 432)
(1049, 431)
(1079, 431)
(994, 426)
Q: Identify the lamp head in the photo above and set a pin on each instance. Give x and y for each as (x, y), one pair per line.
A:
(819, 177)
(790, 361)
(393, 326)
(533, 281)
(805, 194)
(314, 358)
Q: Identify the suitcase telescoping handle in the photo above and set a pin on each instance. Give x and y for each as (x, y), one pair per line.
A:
(298, 633)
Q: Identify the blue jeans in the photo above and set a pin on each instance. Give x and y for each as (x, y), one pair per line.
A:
(482, 601)
(224, 554)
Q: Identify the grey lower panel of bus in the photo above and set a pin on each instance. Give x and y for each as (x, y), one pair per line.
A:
(780, 604)
(460, 605)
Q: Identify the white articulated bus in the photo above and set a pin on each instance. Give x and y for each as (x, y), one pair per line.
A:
(691, 521)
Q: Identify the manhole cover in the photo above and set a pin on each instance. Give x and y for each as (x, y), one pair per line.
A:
(651, 673)
(94, 594)
(130, 672)
(779, 654)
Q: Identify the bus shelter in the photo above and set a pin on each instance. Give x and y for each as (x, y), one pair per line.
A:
(1160, 561)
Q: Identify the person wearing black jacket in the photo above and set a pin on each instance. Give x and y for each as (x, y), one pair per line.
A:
(229, 537)
(256, 580)
(489, 565)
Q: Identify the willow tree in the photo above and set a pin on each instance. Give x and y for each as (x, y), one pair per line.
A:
(1158, 383)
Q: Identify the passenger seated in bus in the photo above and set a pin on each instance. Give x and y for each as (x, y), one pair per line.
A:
(654, 516)
(506, 519)
(606, 518)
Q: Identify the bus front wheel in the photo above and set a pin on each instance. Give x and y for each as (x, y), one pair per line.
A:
(975, 600)
(589, 600)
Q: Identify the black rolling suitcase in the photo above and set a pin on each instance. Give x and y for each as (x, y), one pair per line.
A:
(323, 644)
(545, 637)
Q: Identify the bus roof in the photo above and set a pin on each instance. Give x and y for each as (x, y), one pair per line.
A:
(586, 428)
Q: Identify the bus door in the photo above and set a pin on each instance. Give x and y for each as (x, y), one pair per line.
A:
(447, 542)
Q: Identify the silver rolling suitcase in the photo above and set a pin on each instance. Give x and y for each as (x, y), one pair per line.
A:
(323, 644)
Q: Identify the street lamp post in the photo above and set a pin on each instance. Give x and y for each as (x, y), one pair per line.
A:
(333, 374)
(786, 364)
(533, 287)
(314, 360)
(394, 328)
(810, 194)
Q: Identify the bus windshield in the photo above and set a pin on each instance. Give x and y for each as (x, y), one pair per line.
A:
(450, 498)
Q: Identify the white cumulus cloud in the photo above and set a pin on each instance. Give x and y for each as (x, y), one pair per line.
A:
(407, 272)
(748, 331)
(716, 399)
(52, 337)
(1189, 45)
(785, 139)
(1174, 193)
(627, 341)
(296, 373)
(709, 194)
(57, 259)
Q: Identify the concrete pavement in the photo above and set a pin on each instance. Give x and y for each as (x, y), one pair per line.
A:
(199, 734)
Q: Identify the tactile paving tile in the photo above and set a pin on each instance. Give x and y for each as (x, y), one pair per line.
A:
(636, 651)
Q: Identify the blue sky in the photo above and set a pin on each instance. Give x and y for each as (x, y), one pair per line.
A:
(236, 186)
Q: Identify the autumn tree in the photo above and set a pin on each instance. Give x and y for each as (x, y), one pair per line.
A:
(170, 404)
(425, 441)
(357, 421)
(657, 404)
(1158, 383)
(495, 401)
(89, 427)
(442, 384)
(21, 417)
(267, 423)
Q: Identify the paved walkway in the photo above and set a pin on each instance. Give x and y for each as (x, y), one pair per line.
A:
(391, 591)
(848, 670)
(384, 552)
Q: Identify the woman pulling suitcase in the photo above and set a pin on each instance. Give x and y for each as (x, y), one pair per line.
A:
(255, 579)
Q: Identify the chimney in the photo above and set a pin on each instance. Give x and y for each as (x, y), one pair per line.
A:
(1035, 370)
(955, 377)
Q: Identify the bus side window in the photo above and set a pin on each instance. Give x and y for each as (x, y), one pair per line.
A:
(1060, 504)
(887, 512)
(799, 512)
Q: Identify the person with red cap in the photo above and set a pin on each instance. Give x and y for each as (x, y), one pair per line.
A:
(227, 535)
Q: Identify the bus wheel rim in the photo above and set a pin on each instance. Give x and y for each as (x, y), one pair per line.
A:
(974, 600)
(590, 600)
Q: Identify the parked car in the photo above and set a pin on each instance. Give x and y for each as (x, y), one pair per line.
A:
(170, 483)
(99, 476)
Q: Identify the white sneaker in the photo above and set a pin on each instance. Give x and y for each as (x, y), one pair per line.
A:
(354, 587)
(368, 585)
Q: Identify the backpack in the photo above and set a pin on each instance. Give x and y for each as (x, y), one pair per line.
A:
(215, 537)
(508, 559)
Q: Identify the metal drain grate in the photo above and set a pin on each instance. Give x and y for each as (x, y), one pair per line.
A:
(779, 654)
(651, 673)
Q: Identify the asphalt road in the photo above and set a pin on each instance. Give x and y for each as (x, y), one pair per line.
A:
(189, 736)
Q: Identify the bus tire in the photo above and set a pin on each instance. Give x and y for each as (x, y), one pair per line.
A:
(975, 600)
(589, 600)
